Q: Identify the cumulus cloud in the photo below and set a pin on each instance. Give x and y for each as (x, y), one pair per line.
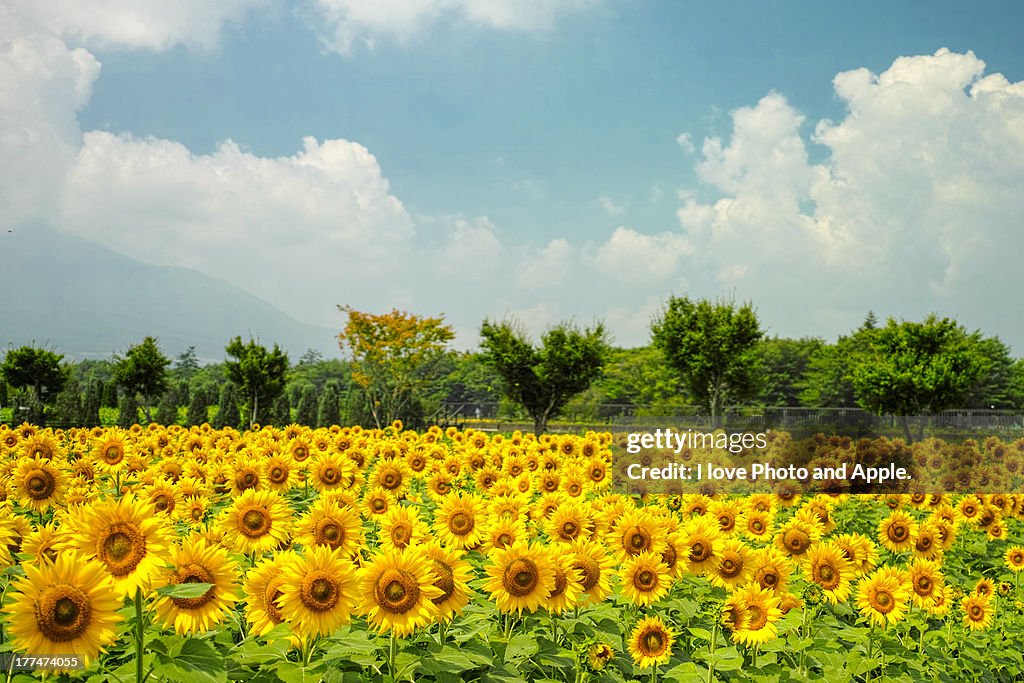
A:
(43, 84)
(346, 24)
(265, 224)
(610, 207)
(915, 208)
(148, 24)
(639, 259)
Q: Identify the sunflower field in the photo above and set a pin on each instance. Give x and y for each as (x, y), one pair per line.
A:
(346, 554)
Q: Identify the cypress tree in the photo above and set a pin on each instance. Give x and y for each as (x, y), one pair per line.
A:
(327, 409)
(197, 408)
(227, 409)
(167, 409)
(282, 411)
(90, 416)
(307, 407)
(127, 411)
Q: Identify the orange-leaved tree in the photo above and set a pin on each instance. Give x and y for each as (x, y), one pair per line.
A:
(395, 357)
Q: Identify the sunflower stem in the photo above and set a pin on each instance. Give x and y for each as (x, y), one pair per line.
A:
(711, 647)
(392, 652)
(140, 636)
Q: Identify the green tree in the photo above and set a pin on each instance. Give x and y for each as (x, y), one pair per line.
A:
(327, 413)
(227, 408)
(784, 366)
(67, 406)
(543, 379)
(995, 388)
(396, 358)
(91, 404)
(110, 394)
(143, 371)
(306, 414)
(281, 414)
(196, 414)
(912, 369)
(127, 410)
(713, 347)
(37, 370)
(186, 364)
(258, 373)
(167, 409)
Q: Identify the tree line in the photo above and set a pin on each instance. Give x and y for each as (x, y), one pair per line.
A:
(704, 356)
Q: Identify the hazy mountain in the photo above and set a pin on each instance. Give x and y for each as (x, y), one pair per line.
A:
(86, 301)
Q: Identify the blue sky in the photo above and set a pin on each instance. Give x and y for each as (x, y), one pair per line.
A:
(525, 158)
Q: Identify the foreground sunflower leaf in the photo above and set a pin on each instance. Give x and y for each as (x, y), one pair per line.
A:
(184, 590)
(189, 659)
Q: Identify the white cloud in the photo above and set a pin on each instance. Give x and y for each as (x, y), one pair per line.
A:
(346, 24)
(684, 141)
(915, 208)
(545, 268)
(610, 207)
(149, 24)
(280, 227)
(42, 86)
(636, 258)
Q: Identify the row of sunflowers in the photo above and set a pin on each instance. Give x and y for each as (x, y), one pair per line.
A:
(348, 554)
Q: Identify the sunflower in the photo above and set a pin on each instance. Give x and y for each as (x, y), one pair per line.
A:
(598, 656)
(397, 591)
(859, 550)
(246, 473)
(756, 524)
(392, 475)
(928, 541)
(126, 536)
(568, 587)
(734, 567)
(318, 592)
(771, 569)
(281, 472)
(827, 566)
(401, 528)
(196, 561)
(44, 543)
(458, 521)
(503, 533)
(757, 611)
(262, 587)
(377, 501)
(650, 643)
(700, 545)
(978, 612)
(925, 581)
(569, 521)
(594, 564)
(1015, 558)
(38, 484)
(985, 588)
(257, 521)
(330, 471)
(882, 597)
(645, 579)
(520, 578)
(69, 606)
(796, 537)
(637, 532)
(165, 498)
(451, 576)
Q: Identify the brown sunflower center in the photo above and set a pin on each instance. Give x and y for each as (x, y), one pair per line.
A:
(797, 541)
(653, 643)
(521, 577)
(828, 577)
(112, 455)
(328, 532)
(40, 484)
(645, 580)
(401, 534)
(247, 480)
(638, 541)
(163, 503)
(589, 569)
(757, 617)
(898, 532)
(884, 602)
(445, 581)
(122, 549)
(570, 529)
(730, 567)
(461, 523)
(396, 591)
(319, 591)
(768, 578)
(194, 573)
(923, 585)
(63, 613)
(255, 522)
(271, 595)
(330, 475)
(278, 474)
(700, 551)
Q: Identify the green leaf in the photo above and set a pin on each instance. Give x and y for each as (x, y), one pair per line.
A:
(191, 660)
(184, 590)
(687, 672)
